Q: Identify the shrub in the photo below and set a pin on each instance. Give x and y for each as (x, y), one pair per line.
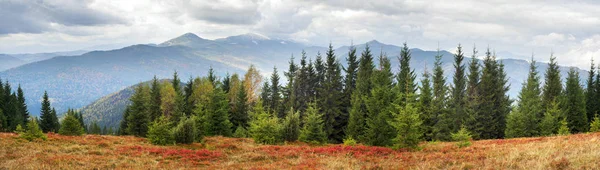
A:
(349, 141)
(595, 125)
(563, 129)
(33, 131)
(71, 126)
(313, 132)
(291, 126)
(185, 131)
(19, 130)
(266, 129)
(462, 137)
(240, 132)
(159, 132)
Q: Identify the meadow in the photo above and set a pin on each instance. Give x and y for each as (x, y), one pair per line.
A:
(580, 151)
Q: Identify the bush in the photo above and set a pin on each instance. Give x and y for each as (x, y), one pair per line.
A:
(240, 132)
(564, 128)
(185, 131)
(159, 132)
(71, 126)
(33, 131)
(462, 137)
(266, 129)
(291, 126)
(313, 132)
(595, 125)
(349, 141)
(19, 130)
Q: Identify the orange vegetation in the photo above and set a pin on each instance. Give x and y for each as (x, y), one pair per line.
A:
(581, 151)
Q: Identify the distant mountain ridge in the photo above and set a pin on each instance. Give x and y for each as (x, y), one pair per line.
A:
(76, 81)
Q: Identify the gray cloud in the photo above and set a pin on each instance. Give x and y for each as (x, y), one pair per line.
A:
(36, 16)
(235, 12)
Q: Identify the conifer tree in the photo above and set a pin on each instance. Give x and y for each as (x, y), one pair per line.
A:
(313, 132)
(406, 77)
(526, 119)
(138, 118)
(378, 131)
(503, 101)
(177, 83)
(591, 94)
(349, 80)
(225, 83)
(275, 95)
(33, 131)
(407, 124)
(95, 128)
(319, 78)
(2, 121)
(358, 111)
(330, 100)
(22, 106)
(265, 128)
(574, 104)
(440, 119)
(212, 77)
(188, 89)
(186, 131)
(552, 84)
(159, 131)
(155, 100)
(563, 129)
(459, 114)
(302, 82)
(473, 94)
(486, 123)
(289, 92)
(123, 130)
(216, 117)
(239, 117)
(47, 122)
(291, 126)
(550, 122)
(71, 125)
(265, 96)
(425, 106)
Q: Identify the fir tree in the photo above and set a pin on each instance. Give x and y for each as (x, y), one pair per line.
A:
(216, 116)
(212, 77)
(188, 89)
(265, 96)
(563, 129)
(275, 95)
(408, 126)
(330, 101)
(595, 124)
(33, 131)
(47, 122)
(155, 101)
(425, 106)
(225, 83)
(301, 85)
(289, 92)
(378, 131)
(22, 106)
(123, 125)
(549, 124)
(406, 77)
(440, 119)
(459, 114)
(159, 132)
(291, 126)
(313, 132)
(239, 117)
(265, 128)
(186, 132)
(574, 103)
(516, 125)
(552, 84)
(95, 128)
(138, 118)
(473, 94)
(591, 93)
(319, 78)
(70, 125)
(349, 81)
(530, 107)
(358, 111)
(488, 124)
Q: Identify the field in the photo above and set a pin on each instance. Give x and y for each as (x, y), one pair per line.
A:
(581, 151)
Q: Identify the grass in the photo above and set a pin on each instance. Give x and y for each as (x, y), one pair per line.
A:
(580, 151)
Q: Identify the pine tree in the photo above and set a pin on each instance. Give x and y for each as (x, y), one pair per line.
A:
(47, 122)
(176, 83)
(503, 101)
(70, 125)
(212, 77)
(275, 95)
(529, 112)
(425, 106)
(330, 101)
(239, 117)
(564, 128)
(265, 96)
(595, 124)
(313, 130)
(138, 118)
(319, 78)
(301, 85)
(516, 125)
(123, 125)
(155, 101)
(358, 111)
(22, 105)
(33, 131)
(408, 126)
(591, 94)
(406, 77)
(188, 89)
(440, 119)
(473, 94)
(378, 131)
(552, 84)
(291, 126)
(289, 92)
(216, 117)
(575, 103)
(349, 81)
(186, 131)
(550, 122)
(488, 124)
(159, 132)
(459, 114)
(225, 83)
(265, 128)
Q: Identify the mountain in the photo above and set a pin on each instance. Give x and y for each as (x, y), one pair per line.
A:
(14, 60)
(108, 110)
(76, 81)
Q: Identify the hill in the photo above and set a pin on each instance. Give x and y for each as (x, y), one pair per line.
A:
(14, 60)
(579, 151)
(76, 81)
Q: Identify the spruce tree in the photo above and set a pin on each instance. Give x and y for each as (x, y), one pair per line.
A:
(212, 77)
(574, 104)
(95, 128)
(313, 130)
(70, 125)
(552, 84)
(239, 117)
(378, 131)
(155, 101)
(216, 115)
(408, 125)
(275, 95)
(330, 101)
(186, 131)
(425, 106)
(289, 92)
(301, 85)
(188, 89)
(358, 111)
(47, 122)
(550, 121)
(440, 119)
(225, 83)
(591, 94)
(516, 125)
(291, 126)
(488, 124)
(22, 105)
(473, 94)
(159, 131)
(265, 96)
(529, 108)
(459, 114)
(503, 101)
(138, 118)
(265, 128)
(349, 80)
(319, 78)
(124, 122)
(33, 131)
(406, 77)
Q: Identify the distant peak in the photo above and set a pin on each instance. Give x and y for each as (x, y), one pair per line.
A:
(256, 36)
(189, 35)
(372, 42)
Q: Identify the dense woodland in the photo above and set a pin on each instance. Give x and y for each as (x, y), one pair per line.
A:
(323, 102)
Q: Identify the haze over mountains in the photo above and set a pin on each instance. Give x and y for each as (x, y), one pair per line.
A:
(76, 81)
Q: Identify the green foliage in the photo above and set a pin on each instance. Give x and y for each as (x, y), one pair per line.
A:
(350, 141)
(313, 130)
(216, 115)
(155, 100)
(19, 130)
(186, 131)
(159, 132)
(33, 131)
(49, 121)
(439, 119)
(240, 132)
(591, 94)
(330, 101)
(595, 125)
(94, 128)
(406, 77)
(462, 137)
(265, 128)
(550, 122)
(275, 95)
(378, 131)
(552, 84)
(564, 128)
(458, 109)
(357, 120)
(138, 118)
(425, 107)
(530, 106)
(574, 103)
(515, 124)
(408, 126)
(291, 126)
(70, 126)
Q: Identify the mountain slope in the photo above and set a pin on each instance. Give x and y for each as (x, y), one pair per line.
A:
(8, 62)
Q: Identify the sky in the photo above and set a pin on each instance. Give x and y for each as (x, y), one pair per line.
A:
(517, 28)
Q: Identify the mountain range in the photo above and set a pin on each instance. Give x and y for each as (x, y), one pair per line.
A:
(78, 80)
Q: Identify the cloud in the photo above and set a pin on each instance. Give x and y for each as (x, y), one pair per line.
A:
(30, 16)
(236, 12)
